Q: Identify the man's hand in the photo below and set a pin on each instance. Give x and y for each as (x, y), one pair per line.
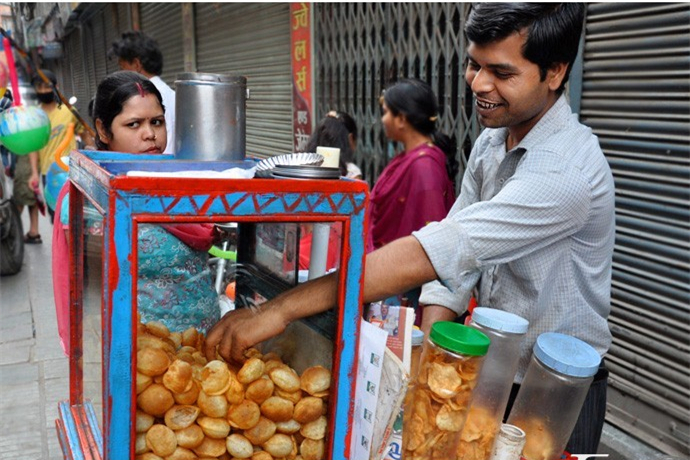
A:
(241, 329)
(397, 267)
(34, 180)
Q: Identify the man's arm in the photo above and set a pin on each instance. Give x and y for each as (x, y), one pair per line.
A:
(35, 177)
(434, 313)
(397, 267)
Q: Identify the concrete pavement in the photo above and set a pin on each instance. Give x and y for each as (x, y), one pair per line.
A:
(33, 369)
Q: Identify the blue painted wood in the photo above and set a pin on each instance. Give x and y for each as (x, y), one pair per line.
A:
(93, 423)
(119, 379)
(342, 424)
(70, 430)
(314, 200)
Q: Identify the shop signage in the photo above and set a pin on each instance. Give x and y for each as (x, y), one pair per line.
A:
(301, 55)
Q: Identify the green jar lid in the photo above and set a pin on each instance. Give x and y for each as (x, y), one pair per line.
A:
(459, 339)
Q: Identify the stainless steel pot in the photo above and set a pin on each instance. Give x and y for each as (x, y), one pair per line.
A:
(210, 117)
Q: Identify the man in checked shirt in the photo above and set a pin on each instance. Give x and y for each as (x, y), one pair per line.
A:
(533, 227)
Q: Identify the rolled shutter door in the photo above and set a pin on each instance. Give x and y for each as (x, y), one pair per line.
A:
(79, 80)
(636, 98)
(252, 40)
(100, 52)
(163, 21)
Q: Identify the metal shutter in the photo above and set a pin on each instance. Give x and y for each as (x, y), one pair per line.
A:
(78, 70)
(65, 66)
(124, 17)
(252, 40)
(112, 18)
(363, 47)
(163, 21)
(636, 98)
(100, 51)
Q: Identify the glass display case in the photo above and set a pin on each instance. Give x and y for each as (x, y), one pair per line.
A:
(143, 294)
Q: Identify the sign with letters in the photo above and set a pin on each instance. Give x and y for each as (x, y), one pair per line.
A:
(302, 85)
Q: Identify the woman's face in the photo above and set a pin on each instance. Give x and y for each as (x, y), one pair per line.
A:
(139, 128)
(390, 123)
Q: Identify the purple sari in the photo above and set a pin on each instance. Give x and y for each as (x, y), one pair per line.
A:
(413, 190)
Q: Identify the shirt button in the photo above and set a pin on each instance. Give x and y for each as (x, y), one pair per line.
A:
(500, 181)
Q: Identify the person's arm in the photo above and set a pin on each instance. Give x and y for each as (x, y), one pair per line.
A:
(397, 267)
(35, 177)
(434, 313)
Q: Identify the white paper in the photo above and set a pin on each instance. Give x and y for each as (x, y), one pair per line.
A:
(392, 390)
(331, 156)
(232, 173)
(372, 346)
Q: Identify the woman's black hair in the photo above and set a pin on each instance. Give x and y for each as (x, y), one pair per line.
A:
(417, 102)
(553, 30)
(331, 132)
(346, 119)
(112, 93)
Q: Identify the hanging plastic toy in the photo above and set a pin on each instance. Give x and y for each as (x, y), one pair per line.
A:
(24, 129)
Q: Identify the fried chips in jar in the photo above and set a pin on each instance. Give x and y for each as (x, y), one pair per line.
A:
(437, 405)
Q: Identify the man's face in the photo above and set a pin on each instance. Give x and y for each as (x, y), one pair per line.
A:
(43, 87)
(384, 311)
(507, 88)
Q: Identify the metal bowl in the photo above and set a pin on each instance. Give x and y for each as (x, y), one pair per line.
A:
(266, 166)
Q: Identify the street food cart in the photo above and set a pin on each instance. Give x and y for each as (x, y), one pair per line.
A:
(100, 419)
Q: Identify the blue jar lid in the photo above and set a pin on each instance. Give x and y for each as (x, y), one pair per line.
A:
(500, 320)
(567, 355)
(417, 336)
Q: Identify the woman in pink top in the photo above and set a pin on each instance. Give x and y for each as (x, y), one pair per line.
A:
(416, 187)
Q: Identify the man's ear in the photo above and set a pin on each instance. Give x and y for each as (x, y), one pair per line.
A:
(103, 135)
(136, 63)
(556, 74)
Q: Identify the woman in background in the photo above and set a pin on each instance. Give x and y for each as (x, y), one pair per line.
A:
(174, 284)
(416, 187)
(334, 131)
(353, 171)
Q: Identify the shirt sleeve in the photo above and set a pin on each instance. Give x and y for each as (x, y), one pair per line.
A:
(435, 293)
(540, 204)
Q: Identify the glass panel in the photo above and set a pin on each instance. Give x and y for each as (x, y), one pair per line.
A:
(92, 321)
(182, 291)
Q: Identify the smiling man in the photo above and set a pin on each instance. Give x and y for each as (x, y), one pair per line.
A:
(533, 227)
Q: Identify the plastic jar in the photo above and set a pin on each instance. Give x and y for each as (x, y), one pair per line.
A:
(509, 443)
(551, 395)
(436, 406)
(416, 354)
(506, 332)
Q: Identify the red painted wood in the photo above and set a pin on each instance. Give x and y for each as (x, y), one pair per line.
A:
(76, 264)
(62, 438)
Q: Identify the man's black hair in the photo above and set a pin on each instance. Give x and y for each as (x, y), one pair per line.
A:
(49, 75)
(136, 44)
(553, 30)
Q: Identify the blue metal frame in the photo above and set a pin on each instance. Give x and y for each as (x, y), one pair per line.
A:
(129, 201)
